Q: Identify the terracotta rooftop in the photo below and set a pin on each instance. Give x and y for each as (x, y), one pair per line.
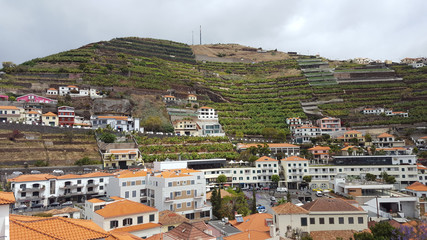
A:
(294, 158)
(137, 227)
(168, 96)
(122, 236)
(266, 159)
(348, 147)
(171, 174)
(124, 208)
(168, 217)
(385, 135)
(6, 198)
(33, 112)
(32, 177)
(49, 114)
(421, 167)
(251, 234)
(330, 205)
(130, 174)
(206, 108)
(289, 208)
(53, 228)
(320, 148)
(255, 222)
(417, 186)
(9, 108)
(52, 89)
(189, 231)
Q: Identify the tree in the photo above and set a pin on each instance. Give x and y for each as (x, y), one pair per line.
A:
(383, 230)
(288, 197)
(8, 67)
(350, 151)
(359, 151)
(387, 178)
(253, 208)
(12, 98)
(84, 161)
(370, 177)
(307, 178)
(355, 141)
(221, 179)
(108, 137)
(373, 149)
(368, 138)
(363, 236)
(216, 202)
(275, 179)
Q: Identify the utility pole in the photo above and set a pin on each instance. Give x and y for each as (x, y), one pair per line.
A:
(200, 34)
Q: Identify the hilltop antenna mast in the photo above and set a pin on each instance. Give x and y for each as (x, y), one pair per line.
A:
(200, 34)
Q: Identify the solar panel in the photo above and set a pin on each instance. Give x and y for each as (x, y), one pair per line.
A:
(239, 219)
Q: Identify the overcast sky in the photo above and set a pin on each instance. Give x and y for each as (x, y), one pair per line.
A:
(336, 29)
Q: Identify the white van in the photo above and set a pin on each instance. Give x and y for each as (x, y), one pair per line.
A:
(282, 189)
(319, 194)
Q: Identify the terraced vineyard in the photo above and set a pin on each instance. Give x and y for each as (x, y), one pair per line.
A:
(185, 147)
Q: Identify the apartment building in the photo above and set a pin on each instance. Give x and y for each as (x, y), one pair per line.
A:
(386, 140)
(66, 116)
(33, 98)
(304, 133)
(321, 154)
(6, 199)
(246, 176)
(294, 168)
(186, 127)
(353, 134)
(45, 189)
(50, 119)
(330, 124)
(121, 158)
(32, 117)
(11, 113)
(206, 113)
(180, 190)
(119, 123)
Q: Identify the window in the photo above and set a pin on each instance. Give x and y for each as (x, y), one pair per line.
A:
(192, 182)
(188, 192)
(134, 193)
(140, 219)
(127, 194)
(178, 205)
(188, 204)
(123, 184)
(114, 224)
(321, 221)
(79, 181)
(23, 194)
(350, 220)
(304, 221)
(169, 184)
(101, 180)
(132, 183)
(312, 221)
(341, 220)
(127, 221)
(177, 194)
(151, 217)
(360, 220)
(331, 220)
(79, 189)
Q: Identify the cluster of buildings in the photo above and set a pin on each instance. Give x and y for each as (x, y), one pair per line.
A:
(302, 131)
(202, 122)
(415, 62)
(387, 112)
(74, 91)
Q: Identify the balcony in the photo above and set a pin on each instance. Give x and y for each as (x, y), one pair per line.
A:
(35, 189)
(200, 196)
(92, 185)
(168, 199)
(71, 186)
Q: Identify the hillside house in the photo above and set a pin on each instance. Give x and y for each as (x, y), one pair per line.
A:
(52, 92)
(352, 134)
(70, 89)
(320, 153)
(66, 116)
(33, 98)
(293, 123)
(121, 158)
(4, 98)
(330, 124)
(169, 99)
(304, 133)
(385, 140)
(396, 113)
(206, 113)
(33, 117)
(186, 127)
(11, 113)
(374, 111)
(119, 123)
(192, 98)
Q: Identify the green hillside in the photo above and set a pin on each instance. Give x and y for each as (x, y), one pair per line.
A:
(250, 97)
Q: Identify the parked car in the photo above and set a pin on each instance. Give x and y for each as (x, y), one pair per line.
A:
(21, 207)
(265, 188)
(37, 205)
(272, 198)
(68, 203)
(35, 172)
(54, 204)
(319, 194)
(17, 173)
(261, 209)
(281, 189)
(87, 169)
(58, 171)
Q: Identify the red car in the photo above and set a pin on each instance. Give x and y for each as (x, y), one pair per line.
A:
(265, 188)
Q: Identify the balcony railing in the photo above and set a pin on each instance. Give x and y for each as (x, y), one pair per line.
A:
(92, 185)
(34, 189)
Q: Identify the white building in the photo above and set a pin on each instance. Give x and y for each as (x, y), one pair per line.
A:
(388, 141)
(119, 123)
(123, 215)
(375, 111)
(31, 189)
(6, 199)
(70, 89)
(275, 148)
(52, 91)
(206, 113)
(131, 185)
(305, 133)
(294, 168)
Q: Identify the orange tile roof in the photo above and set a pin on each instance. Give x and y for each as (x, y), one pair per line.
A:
(188, 231)
(32, 177)
(138, 227)
(418, 187)
(270, 145)
(124, 208)
(255, 221)
(266, 159)
(33, 112)
(185, 170)
(168, 96)
(294, 158)
(346, 148)
(206, 108)
(320, 148)
(421, 167)
(53, 228)
(49, 114)
(114, 117)
(385, 135)
(425, 137)
(191, 95)
(168, 217)
(330, 205)
(71, 86)
(289, 208)
(122, 236)
(97, 174)
(6, 198)
(251, 234)
(130, 174)
(9, 108)
(52, 89)
(171, 174)
(159, 236)
(123, 151)
(95, 200)
(353, 132)
(116, 198)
